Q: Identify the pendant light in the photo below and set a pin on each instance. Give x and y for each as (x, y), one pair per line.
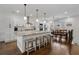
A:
(44, 17)
(28, 20)
(37, 15)
(25, 18)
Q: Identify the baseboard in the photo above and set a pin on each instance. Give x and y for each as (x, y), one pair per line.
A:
(76, 44)
(10, 41)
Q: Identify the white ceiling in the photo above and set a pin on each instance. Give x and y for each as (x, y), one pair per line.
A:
(50, 9)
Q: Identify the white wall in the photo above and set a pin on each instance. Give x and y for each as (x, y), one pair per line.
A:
(4, 27)
(6, 33)
(18, 20)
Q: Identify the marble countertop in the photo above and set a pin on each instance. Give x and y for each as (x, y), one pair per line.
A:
(22, 33)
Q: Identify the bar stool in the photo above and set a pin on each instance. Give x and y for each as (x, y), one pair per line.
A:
(30, 45)
(42, 41)
(45, 40)
(38, 42)
(49, 38)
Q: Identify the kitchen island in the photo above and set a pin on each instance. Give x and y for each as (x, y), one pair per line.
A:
(23, 36)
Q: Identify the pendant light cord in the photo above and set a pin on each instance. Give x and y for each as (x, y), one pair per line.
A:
(37, 13)
(25, 9)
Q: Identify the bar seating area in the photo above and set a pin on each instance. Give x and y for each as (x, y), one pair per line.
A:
(32, 43)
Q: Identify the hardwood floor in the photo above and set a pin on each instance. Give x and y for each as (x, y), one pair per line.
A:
(54, 48)
(58, 49)
(9, 49)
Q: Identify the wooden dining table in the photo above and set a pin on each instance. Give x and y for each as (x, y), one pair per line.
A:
(61, 33)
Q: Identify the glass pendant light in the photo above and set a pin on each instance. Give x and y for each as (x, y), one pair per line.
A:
(25, 18)
(28, 19)
(44, 17)
(37, 15)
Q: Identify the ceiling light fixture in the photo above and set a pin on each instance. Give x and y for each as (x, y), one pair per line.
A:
(45, 16)
(25, 18)
(65, 12)
(17, 11)
(37, 15)
(31, 15)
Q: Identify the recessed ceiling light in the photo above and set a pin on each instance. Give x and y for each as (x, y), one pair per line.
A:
(36, 20)
(65, 12)
(31, 15)
(17, 11)
(50, 21)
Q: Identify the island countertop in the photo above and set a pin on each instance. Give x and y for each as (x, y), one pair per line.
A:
(22, 33)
